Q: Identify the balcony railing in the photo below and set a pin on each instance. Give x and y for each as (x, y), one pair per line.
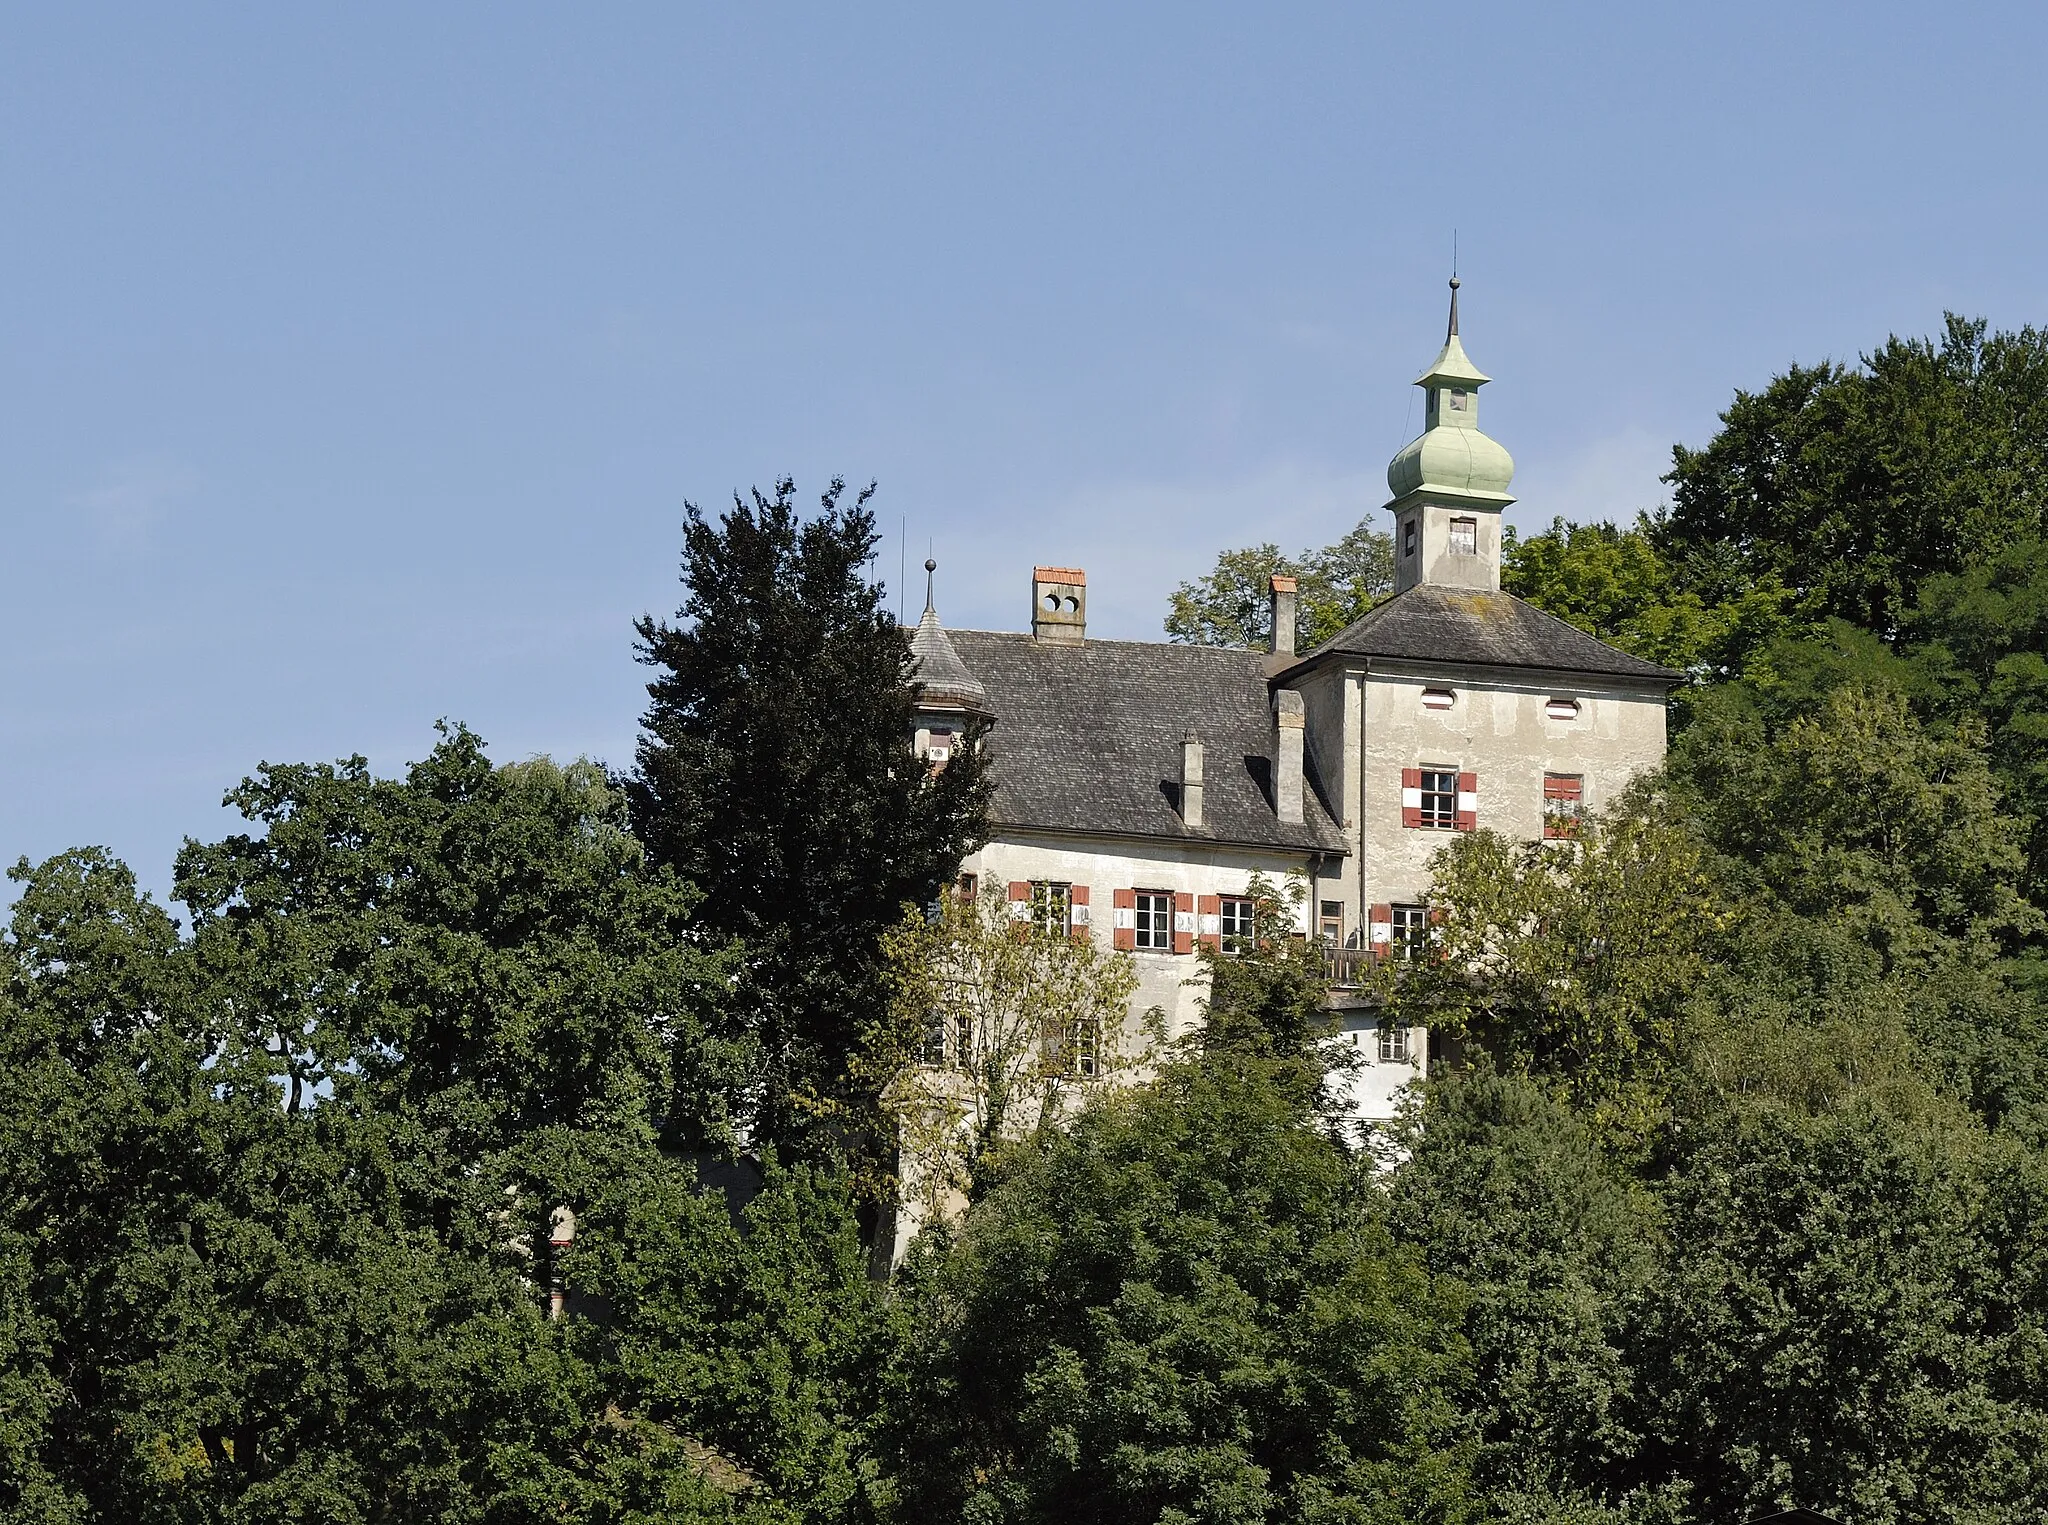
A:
(1346, 966)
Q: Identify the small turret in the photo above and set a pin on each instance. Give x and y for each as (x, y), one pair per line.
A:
(1450, 483)
(948, 695)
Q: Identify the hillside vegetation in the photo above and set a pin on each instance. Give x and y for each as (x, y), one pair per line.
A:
(371, 1188)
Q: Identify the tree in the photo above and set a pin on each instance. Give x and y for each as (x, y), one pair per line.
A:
(1338, 583)
(281, 1192)
(1187, 1306)
(1571, 957)
(777, 775)
(1854, 810)
(1850, 487)
(1511, 1191)
(1980, 638)
(1617, 585)
(996, 1025)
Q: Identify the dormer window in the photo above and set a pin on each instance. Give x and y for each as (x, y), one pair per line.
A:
(1464, 537)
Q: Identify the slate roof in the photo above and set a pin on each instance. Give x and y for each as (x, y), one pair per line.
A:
(941, 677)
(1472, 627)
(1087, 739)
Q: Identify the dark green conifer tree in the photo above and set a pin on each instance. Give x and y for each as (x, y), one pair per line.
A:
(777, 774)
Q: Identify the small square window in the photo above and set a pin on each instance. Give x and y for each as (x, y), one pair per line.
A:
(1330, 924)
(1464, 537)
(1457, 399)
(1236, 923)
(1394, 1045)
(1153, 922)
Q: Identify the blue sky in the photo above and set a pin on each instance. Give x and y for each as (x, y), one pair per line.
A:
(356, 362)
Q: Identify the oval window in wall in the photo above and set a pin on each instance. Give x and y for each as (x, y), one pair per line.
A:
(1562, 709)
(1438, 698)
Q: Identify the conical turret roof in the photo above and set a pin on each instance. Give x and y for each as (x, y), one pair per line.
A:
(942, 679)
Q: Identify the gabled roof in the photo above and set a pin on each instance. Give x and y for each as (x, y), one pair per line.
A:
(1087, 739)
(1474, 627)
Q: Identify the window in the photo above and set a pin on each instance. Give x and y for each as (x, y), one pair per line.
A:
(1393, 1045)
(948, 1043)
(931, 1049)
(1438, 698)
(1411, 931)
(1052, 905)
(940, 747)
(1464, 537)
(1236, 923)
(1407, 537)
(1439, 802)
(1457, 399)
(1072, 1051)
(1330, 924)
(1562, 709)
(1564, 795)
(1154, 921)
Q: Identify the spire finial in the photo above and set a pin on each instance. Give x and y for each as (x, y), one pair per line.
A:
(930, 566)
(1453, 333)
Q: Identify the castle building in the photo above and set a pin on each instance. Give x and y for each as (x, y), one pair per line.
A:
(1140, 785)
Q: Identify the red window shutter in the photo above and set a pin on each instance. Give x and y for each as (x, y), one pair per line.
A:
(1183, 914)
(1411, 797)
(1020, 889)
(1078, 925)
(1207, 906)
(1124, 936)
(1468, 783)
(1379, 927)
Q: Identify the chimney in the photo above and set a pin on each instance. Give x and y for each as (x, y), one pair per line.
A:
(1059, 604)
(1283, 615)
(1288, 717)
(1191, 779)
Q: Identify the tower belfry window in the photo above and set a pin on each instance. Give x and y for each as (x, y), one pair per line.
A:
(1464, 537)
(1457, 399)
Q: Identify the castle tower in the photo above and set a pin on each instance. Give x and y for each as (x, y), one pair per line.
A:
(1450, 483)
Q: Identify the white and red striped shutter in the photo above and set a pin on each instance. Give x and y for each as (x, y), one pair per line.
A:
(1077, 913)
(1411, 796)
(1379, 930)
(1124, 934)
(1468, 801)
(1210, 930)
(1183, 923)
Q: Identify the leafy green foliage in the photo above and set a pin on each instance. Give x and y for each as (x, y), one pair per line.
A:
(777, 775)
(1186, 1307)
(280, 1194)
(1618, 585)
(1231, 606)
(1850, 487)
(1569, 957)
